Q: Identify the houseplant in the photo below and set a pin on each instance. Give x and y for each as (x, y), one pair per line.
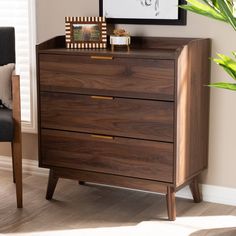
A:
(223, 10)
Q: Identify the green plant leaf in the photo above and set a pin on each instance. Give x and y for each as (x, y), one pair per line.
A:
(223, 85)
(228, 64)
(220, 10)
(203, 9)
(213, 4)
(234, 53)
(227, 11)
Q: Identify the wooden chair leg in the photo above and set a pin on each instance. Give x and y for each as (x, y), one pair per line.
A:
(194, 187)
(17, 171)
(17, 141)
(13, 164)
(171, 206)
(52, 183)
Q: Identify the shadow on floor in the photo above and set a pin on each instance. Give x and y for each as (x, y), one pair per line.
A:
(216, 232)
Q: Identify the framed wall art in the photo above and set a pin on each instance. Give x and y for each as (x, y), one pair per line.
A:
(86, 32)
(158, 12)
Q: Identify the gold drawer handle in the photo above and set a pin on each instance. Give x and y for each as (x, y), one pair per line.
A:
(101, 58)
(102, 97)
(102, 136)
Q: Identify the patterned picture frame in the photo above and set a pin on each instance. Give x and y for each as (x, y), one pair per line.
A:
(85, 32)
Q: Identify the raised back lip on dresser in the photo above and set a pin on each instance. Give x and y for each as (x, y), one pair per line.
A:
(136, 119)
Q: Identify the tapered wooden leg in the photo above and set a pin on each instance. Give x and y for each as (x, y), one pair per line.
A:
(17, 171)
(52, 182)
(194, 187)
(17, 141)
(13, 164)
(171, 206)
(81, 182)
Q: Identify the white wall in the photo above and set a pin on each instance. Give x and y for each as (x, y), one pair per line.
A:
(222, 144)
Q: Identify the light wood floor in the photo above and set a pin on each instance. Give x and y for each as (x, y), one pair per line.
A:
(98, 210)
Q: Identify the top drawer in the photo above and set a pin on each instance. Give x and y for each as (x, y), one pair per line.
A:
(120, 77)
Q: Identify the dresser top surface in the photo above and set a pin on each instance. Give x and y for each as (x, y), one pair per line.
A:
(135, 53)
(141, 47)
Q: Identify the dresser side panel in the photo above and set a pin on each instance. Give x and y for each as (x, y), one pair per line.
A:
(192, 110)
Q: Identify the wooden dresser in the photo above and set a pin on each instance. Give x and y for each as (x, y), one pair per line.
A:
(135, 119)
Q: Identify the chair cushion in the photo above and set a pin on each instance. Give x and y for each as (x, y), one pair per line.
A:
(6, 125)
(5, 84)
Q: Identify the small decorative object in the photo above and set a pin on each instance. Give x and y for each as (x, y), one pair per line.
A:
(156, 12)
(120, 38)
(86, 32)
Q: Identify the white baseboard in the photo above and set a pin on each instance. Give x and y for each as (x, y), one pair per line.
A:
(211, 193)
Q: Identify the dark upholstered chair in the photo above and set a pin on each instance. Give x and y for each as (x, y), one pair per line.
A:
(10, 121)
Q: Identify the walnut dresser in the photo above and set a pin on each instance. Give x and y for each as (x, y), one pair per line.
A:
(136, 119)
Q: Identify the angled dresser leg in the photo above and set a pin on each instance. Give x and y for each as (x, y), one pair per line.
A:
(52, 182)
(194, 187)
(171, 206)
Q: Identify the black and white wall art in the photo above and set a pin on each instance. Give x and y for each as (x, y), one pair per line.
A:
(143, 11)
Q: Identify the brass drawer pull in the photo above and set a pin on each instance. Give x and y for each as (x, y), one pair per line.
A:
(102, 97)
(102, 57)
(102, 136)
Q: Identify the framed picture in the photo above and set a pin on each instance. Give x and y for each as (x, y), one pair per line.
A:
(155, 12)
(86, 32)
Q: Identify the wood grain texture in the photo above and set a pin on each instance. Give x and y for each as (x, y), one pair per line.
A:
(142, 47)
(17, 141)
(108, 179)
(171, 205)
(132, 118)
(141, 106)
(194, 187)
(52, 183)
(56, 42)
(120, 156)
(81, 210)
(161, 43)
(192, 110)
(137, 78)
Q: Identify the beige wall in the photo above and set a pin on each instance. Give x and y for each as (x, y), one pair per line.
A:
(222, 152)
(51, 15)
(30, 147)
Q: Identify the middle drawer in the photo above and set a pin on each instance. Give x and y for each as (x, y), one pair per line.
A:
(133, 118)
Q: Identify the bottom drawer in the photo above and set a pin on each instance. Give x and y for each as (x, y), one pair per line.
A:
(113, 155)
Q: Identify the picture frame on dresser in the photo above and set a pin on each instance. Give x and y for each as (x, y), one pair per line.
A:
(85, 32)
(130, 120)
(151, 12)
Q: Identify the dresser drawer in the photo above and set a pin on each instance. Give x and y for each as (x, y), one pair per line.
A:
(121, 77)
(119, 156)
(134, 118)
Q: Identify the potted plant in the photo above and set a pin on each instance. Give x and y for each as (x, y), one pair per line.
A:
(223, 10)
